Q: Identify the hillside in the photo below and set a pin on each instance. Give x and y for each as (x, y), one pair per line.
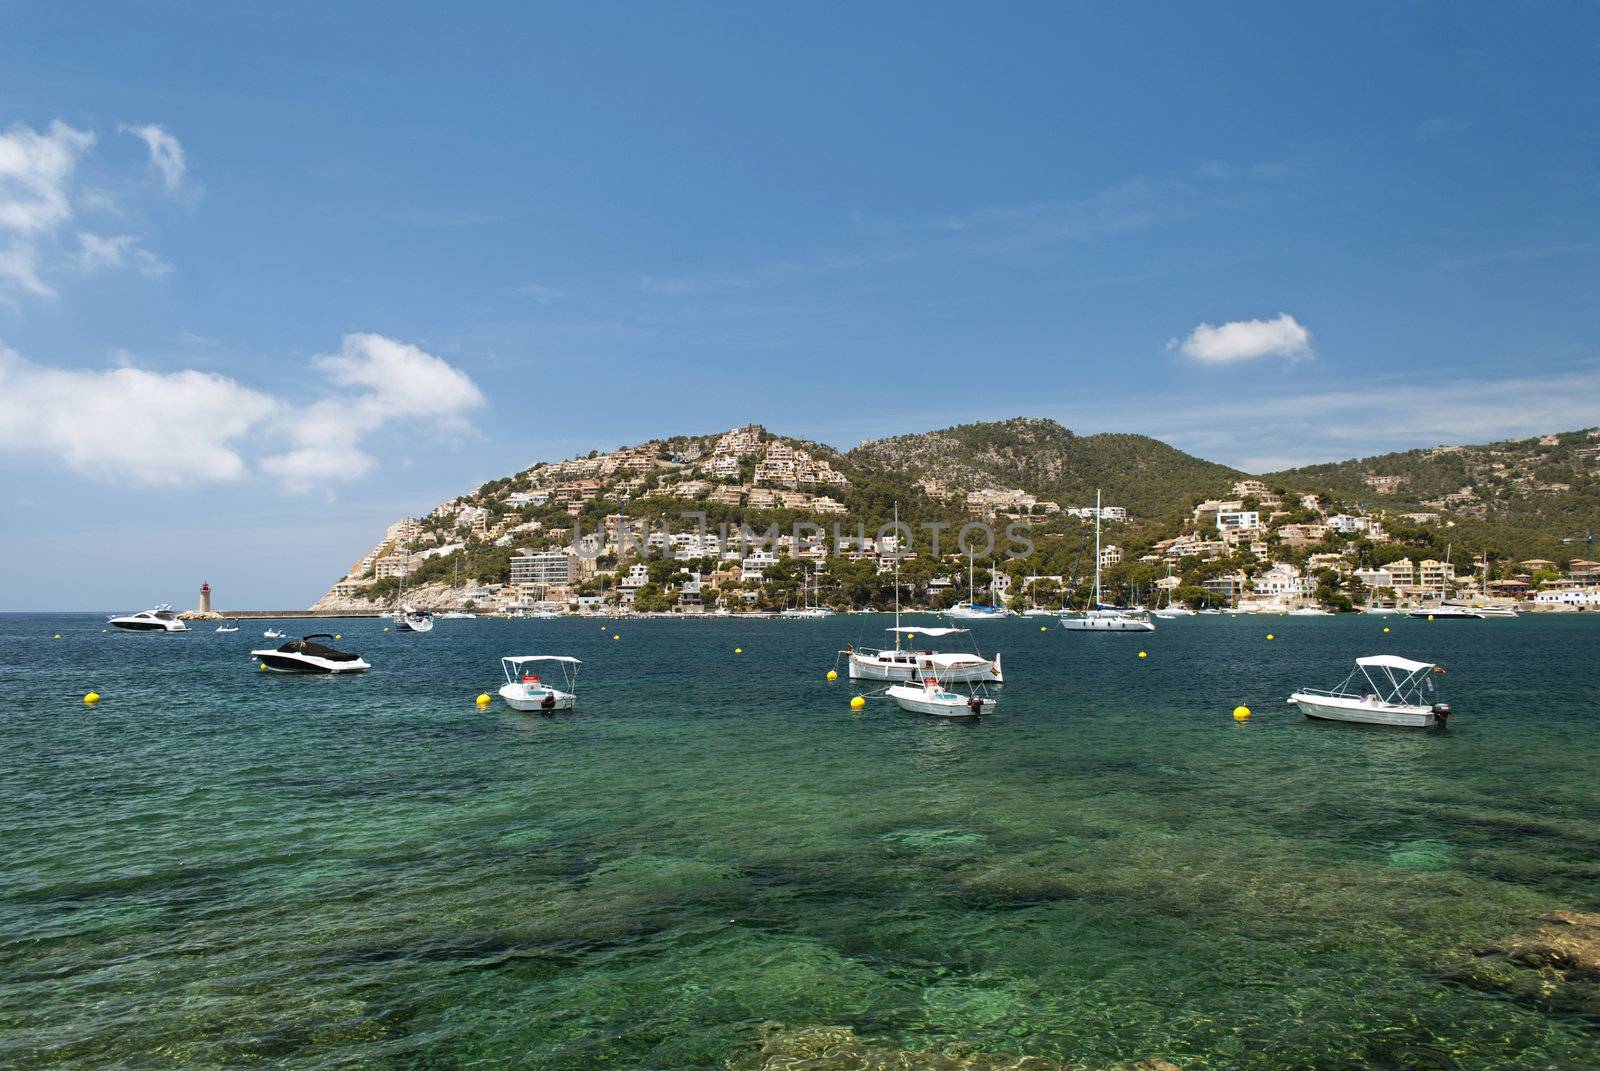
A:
(1146, 475)
(1524, 495)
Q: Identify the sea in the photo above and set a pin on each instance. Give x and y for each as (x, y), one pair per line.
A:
(216, 866)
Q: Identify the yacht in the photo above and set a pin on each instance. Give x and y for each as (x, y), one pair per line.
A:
(1447, 612)
(970, 611)
(409, 620)
(1100, 617)
(161, 619)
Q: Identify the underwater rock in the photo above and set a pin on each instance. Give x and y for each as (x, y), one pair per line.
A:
(837, 1048)
(1556, 967)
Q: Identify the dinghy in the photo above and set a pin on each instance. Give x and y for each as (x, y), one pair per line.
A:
(525, 690)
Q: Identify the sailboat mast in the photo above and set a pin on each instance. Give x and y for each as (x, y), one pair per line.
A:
(897, 576)
(1096, 549)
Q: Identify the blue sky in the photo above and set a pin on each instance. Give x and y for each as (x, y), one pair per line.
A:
(271, 278)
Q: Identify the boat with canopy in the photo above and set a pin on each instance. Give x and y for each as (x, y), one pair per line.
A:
(526, 690)
(1382, 690)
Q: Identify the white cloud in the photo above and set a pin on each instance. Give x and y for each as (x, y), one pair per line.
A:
(36, 175)
(122, 250)
(396, 382)
(166, 152)
(1246, 340)
(129, 424)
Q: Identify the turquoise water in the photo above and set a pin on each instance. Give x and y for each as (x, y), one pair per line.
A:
(217, 866)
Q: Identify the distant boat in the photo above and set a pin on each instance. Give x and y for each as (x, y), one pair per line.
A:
(161, 619)
(1383, 690)
(273, 634)
(458, 615)
(970, 611)
(815, 609)
(228, 626)
(307, 656)
(1100, 617)
(1309, 611)
(1447, 613)
(409, 620)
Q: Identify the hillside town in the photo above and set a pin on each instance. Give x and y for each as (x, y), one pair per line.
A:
(750, 522)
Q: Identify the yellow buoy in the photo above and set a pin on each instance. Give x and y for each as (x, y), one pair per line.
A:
(1241, 713)
(338, 636)
(1044, 628)
(615, 636)
(92, 698)
(483, 699)
(263, 665)
(858, 702)
(57, 636)
(1386, 628)
(1141, 654)
(1430, 618)
(1270, 636)
(104, 631)
(738, 650)
(833, 674)
(386, 628)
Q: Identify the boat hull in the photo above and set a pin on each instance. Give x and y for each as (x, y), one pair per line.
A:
(1106, 624)
(916, 700)
(1331, 708)
(285, 662)
(520, 697)
(147, 626)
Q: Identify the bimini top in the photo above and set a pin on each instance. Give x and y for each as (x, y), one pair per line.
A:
(927, 631)
(1389, 661)
(519, 659)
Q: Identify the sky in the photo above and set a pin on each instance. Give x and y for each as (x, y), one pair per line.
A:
(273, 277)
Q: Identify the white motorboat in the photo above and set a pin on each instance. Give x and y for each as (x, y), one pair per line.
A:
(1382, 690)
(1495, 611)
(305, 655)
(1382, 611)
(273, 634)
(526, 691)
(228, 626)
(410, 620)
(1038, 611)
(929, 696)
(1309, 611)
(458, 615)
(1447, 613)
(1100, 617)
(161, 619)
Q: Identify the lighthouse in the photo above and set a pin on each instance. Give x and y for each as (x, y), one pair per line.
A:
(205, 597)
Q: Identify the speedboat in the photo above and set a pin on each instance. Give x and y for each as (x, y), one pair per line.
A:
(524, 690)
(273, 634)
(1309, 611)
(228, 626)
(161, 619)
(929, 696)
(1382, 690)
(409, 620)
(908, 664)
(1172, 613)
(305, 655)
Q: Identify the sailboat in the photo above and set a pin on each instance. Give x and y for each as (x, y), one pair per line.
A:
(909, 664)
(408, 619)
(1099, 617)
(1172, 610)
(968, 611)
(815, 609)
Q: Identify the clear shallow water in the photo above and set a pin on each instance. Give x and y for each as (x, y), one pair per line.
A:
(219, 866)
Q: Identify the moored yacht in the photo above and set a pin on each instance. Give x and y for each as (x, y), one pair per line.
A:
(1099, 617)
(909, 664)
(410, 620)
(1382, 690)
(305, 655)
(161, 619)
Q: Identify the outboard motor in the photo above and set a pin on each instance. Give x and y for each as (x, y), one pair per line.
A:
(548, 702)
(1442, 712)
(975, 705)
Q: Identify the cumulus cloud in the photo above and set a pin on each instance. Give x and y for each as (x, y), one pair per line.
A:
(128, 424)
(1246, 340)
(386, 382)
(166, 152)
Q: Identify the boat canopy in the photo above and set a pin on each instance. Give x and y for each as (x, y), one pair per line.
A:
(1389, 661)
(517, 660)
(927, 631)
(950, 660)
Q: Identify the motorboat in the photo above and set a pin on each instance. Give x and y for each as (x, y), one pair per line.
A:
(1382, 690)
(228, 626)
(161, 619)
(1447, 612)
(1496, 611)
(1100, 617)
(930, 696)
(407, 619)
(273, 634)
(1038, 611)
(306, 655)
(1382, 611)
(458, 615)
(525, 690)
(1309, 611)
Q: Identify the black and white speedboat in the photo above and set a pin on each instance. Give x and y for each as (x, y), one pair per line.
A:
(305, 655)
(161, 619)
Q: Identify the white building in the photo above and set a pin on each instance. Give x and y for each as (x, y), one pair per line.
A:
(550, 568)
(1245, 520)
